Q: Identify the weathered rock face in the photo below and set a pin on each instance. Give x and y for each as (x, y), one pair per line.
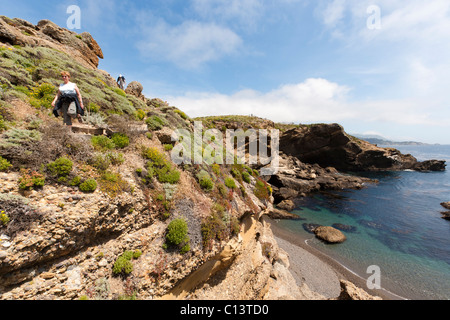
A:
(295, 179)
(329, 146)
(81, 47)
(350, 292)
(282, 214)
(329, 234)
(135, 89)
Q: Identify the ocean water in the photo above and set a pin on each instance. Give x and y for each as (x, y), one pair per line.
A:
(397, 226)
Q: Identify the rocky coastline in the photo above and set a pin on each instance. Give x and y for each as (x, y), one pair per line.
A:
(61, 243)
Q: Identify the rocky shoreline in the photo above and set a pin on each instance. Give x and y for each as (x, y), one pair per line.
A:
(446, 214)
(322, 273)
(328, 145)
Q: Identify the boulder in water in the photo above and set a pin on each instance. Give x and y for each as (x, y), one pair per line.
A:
(329, 234)
(446, 205)
(446, 215)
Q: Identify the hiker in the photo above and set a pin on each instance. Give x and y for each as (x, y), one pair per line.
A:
(121, 81)
(68, 101)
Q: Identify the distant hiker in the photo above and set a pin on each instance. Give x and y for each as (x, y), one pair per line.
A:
(121, 81)
(68, 101)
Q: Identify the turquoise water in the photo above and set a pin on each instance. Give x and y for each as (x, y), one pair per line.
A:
(397, 226)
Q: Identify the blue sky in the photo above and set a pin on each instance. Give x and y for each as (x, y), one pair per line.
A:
(377, 66)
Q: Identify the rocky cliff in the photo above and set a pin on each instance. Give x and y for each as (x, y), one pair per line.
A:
(101, 212)
(82, 46)
(329, 145)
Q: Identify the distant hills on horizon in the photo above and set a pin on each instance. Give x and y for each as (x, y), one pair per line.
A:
(380, 140)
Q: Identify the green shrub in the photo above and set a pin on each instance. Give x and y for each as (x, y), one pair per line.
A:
(204, 179)
(168, 147)
(236, 174)
(4, 164)
(216, 169)
(140, 114)
(2, 124)
(88, 186)
(120, 92)
(155, 123)
(61, 167)
(94, 108)
(213, 228)
(123, 264)
(182, 114)
(22, 89)
(168, 174)
(262, 190)
(102, 143)
(30, 180)
(115, 158)
(246, 176)
(100, 161)
(230, 183)
(177, 231)
(42, 96)
(235, 226)
(18, 137)
(76, 181)
(44, 90)
(222, 189)
(4, 219)
(120, 140)
(112, 183)
(186, 248)
(160, 167)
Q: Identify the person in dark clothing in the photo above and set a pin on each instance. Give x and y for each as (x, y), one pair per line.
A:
(68, 93)
(121, 81)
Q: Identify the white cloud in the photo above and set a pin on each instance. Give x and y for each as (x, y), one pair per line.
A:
(309, 101)
(312, 101)
(190, 44)
(413, 21)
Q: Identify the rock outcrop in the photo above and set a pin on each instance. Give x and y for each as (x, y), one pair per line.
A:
(446, 205)
(295, 178)
(135, 88)
(329, 146)
(350, 292)
(329, 234)
(81, 47)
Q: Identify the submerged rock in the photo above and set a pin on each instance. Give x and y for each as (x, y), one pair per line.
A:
(344, 227)
(310, 227)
